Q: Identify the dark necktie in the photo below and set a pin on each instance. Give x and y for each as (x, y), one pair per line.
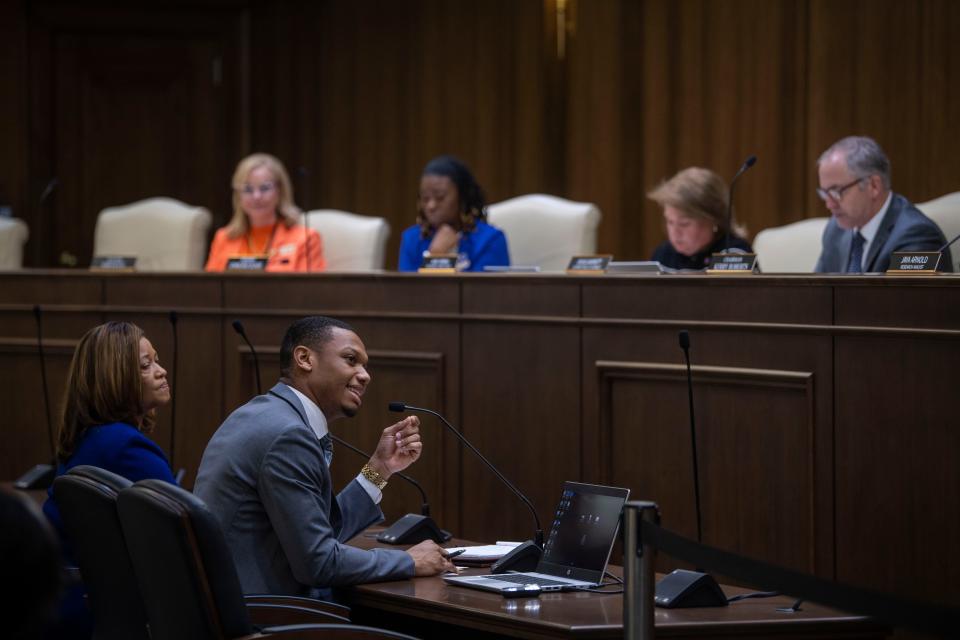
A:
(326, 443)
(855, 263)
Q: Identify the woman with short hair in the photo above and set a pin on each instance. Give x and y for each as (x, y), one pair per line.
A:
(694, 205)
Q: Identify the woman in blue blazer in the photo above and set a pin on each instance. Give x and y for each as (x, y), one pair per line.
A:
(114, 387)
(451, 219)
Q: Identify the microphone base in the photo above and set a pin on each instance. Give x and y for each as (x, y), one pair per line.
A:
(39, 477)
(684, 589)
(524, 557)
(411, 529)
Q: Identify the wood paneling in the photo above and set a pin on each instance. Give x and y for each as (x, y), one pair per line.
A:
(823, 402)
(756, 474)
(356, 96)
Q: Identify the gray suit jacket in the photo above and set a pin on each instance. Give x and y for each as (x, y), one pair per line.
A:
(904, 228)
(263, 475)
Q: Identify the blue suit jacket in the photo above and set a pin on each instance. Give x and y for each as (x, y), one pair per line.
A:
(485, 245)
(116, 447)
(264, 477)
(904, 228)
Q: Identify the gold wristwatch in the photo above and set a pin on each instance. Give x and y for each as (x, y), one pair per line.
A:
(374, 477)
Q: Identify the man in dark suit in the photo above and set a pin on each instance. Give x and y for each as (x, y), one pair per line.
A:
(265, 474)
(869, 221)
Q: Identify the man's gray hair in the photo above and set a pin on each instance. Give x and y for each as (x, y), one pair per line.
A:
(864, 157)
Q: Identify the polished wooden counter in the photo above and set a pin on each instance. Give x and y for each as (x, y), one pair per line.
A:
(430, 608)
(826, 405)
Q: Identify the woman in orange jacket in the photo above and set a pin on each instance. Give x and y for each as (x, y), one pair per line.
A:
(265, 221)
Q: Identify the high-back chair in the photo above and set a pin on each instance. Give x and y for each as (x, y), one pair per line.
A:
(13, 235)
(945, 211)
(792, 248)
(544, 230)
(351, 242)
(87, 499)
(163, 234)
(187, 576)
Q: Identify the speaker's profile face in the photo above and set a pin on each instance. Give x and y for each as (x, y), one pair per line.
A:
(153, 378)
(336, 374)
(439, 201)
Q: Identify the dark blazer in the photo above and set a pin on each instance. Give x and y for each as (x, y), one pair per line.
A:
(264, 477)
(666, 255)
(904, 228)
(116, 447)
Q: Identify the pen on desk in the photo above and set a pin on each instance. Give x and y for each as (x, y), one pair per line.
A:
(454, 554)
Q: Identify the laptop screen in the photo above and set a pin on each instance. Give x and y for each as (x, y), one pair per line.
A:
(584, 528)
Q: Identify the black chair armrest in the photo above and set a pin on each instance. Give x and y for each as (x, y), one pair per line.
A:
(332, 632)
(262, 615)
(299, 601)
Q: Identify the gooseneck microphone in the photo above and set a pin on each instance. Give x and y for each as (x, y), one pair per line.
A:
(749, 162)
(179, 473)
(424, 507)
(40, 476)
(681, 589)
(37, 314)
(400, 407)
(944, 247)
(684, 337)
(411, 528)
(238, 327)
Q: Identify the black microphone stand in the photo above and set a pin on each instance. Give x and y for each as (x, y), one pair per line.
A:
(400, 407)
(411, 528)
(238, 327)
(40, 476)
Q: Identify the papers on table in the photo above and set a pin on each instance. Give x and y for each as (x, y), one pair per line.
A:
(482, 554)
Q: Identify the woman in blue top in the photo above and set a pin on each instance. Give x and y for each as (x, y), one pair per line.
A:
(114, 387)
(451, 219)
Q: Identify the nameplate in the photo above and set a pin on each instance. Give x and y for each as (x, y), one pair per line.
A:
(914, 262)
(733, 263)
(247, 263)
(438, 263)
(589, 265)
(113, 263)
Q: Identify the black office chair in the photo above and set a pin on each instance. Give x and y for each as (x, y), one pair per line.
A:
(187, 576)
(87, 499)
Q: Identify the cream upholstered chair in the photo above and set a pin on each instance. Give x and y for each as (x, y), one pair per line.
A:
(792, 248)
(162, 233)
(545, 230)
(945, 211)
(351, 242)
(13, 235)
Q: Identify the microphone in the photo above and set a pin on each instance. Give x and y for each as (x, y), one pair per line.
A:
(238, 327)
(749, 162)
(173, 400)
(306, 236)
(41, 475)
(302, 173)
(400, 407)
(681, 588)
(941, 249)
(411, 528)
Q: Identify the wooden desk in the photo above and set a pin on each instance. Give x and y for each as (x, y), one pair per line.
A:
(429, 608)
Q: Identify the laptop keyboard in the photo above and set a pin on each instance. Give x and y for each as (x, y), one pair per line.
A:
(519, 578)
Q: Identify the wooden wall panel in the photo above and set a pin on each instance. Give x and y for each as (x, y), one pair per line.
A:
(524, 419)
(756, 475)
(895, 487)
(14, 186)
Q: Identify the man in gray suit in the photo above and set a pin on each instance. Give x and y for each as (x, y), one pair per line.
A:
(869, 221)
(265, 475)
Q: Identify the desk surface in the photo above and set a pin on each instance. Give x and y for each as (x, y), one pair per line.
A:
(429, 604)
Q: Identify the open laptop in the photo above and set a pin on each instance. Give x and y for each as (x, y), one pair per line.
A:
(577, 547)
